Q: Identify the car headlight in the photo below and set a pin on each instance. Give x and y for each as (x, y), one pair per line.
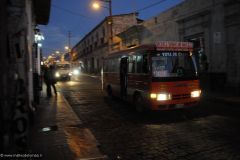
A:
(76, 72)
(195, 94)
(70, 74)
(161, 96)
(57, 74)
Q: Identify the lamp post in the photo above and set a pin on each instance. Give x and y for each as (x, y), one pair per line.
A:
(67, 48)
(37, 83)
(96, 6)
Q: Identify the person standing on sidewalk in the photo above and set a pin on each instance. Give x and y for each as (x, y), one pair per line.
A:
(50, 80)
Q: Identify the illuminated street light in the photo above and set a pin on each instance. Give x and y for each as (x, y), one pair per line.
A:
(96, 5)
(39, 45)
(57, 52)
(39, 37)
(66, 47)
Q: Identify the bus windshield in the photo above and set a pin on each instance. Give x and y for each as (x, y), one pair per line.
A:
(173, 64)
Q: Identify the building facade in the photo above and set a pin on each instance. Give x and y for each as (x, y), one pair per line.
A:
(212, 25)
(19, 63)
(99, 42)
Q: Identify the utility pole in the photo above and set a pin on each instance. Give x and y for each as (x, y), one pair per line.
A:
(69, 45)
(110, 24)
(96, 5)
(111, 18)
(69, 39)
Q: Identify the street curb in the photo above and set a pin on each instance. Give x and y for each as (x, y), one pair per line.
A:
(95, 158)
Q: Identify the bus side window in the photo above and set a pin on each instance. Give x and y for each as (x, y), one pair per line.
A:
(131, 64)
(112, 65)
(115, 64)
(108, 65)
(139, 63)
(105, 65)
(145, 68)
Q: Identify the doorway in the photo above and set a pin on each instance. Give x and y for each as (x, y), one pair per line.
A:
(123, 77)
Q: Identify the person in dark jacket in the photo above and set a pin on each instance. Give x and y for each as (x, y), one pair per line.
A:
(50, 80)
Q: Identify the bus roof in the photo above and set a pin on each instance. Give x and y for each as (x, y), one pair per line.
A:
(132, 50)
(158, 46)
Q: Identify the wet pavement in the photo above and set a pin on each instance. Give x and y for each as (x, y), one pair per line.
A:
(209, 131)
(59, 134)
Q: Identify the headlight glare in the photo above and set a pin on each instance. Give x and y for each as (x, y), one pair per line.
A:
(57, 74)
(153, 95)
(195, 94)
(163, 96)
(76, 72)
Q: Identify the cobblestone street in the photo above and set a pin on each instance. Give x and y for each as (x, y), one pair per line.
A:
(209, 131)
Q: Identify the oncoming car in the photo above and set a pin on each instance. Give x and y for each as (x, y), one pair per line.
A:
(63, 71)
(75, 71)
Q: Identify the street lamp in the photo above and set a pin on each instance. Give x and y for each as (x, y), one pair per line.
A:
(96, 6)
(67, 48)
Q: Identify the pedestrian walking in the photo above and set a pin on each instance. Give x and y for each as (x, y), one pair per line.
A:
(50, 80)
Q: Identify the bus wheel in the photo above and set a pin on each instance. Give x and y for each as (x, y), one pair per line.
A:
(139, 103)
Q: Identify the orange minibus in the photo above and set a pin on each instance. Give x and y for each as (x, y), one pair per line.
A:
(159, 76)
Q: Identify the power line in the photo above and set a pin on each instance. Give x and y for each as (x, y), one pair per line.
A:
(151, 5)
(71, 12)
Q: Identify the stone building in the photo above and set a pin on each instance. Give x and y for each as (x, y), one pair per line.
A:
(212, 25)
(18, 67)
(98, 42)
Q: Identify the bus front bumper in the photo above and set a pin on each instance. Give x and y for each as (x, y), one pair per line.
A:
(173, 104)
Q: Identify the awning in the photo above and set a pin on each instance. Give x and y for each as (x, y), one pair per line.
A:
(42, 11)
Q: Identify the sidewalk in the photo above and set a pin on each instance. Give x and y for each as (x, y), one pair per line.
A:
(58, 133)
(226, 98)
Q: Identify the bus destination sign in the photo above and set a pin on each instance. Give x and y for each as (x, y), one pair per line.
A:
(173, 46)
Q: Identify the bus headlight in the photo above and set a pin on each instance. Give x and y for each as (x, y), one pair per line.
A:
(57, 74)
(161, 96)
(195, 94)
(76, 72)
(153, 95)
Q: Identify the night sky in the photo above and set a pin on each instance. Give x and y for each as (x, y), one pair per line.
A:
(79, 18)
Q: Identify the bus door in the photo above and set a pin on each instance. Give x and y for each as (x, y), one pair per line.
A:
(123, 77)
